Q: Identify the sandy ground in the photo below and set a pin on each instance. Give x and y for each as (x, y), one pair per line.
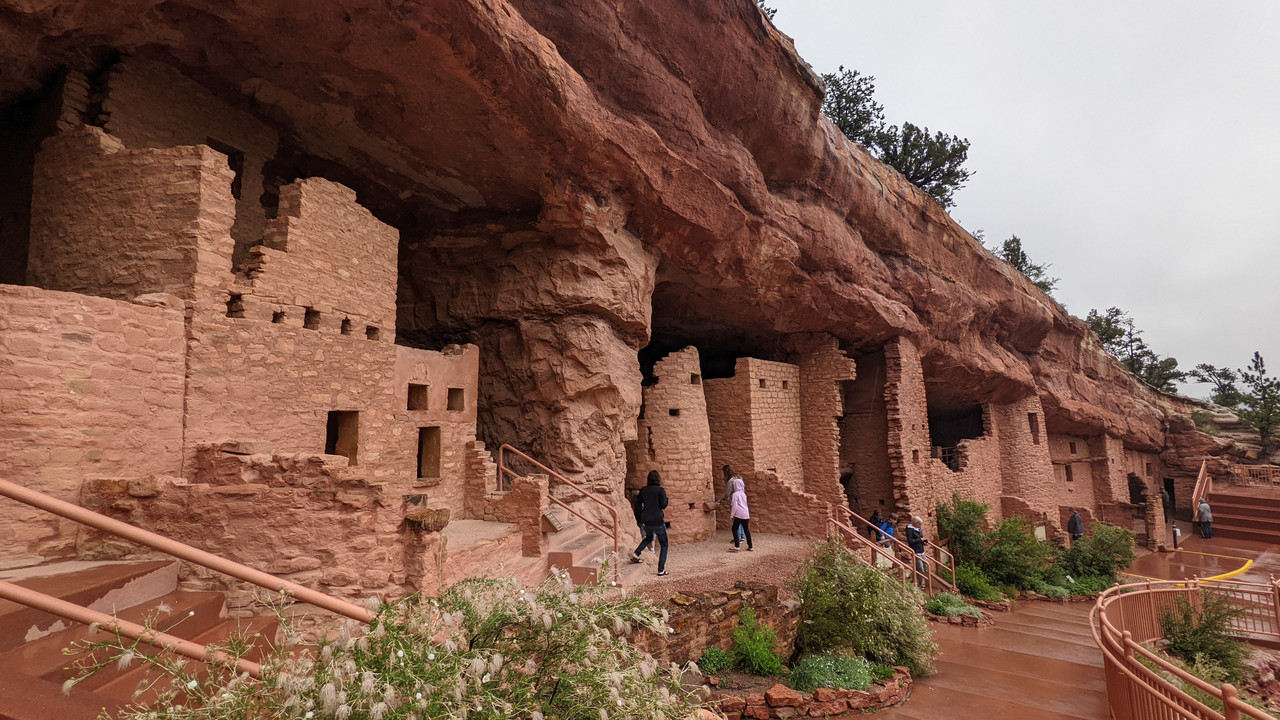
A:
(712, 565)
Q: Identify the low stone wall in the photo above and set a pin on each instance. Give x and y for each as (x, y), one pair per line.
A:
(781, 701)
(708, 619)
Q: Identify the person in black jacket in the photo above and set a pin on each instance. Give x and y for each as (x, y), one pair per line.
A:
(648, 507)
(1075, 526)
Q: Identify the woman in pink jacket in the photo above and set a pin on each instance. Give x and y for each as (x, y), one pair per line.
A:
(741, 516)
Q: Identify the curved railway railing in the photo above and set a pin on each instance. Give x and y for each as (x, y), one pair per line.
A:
(1127, 617)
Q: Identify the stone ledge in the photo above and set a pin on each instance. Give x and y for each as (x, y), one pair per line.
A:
(781, 701)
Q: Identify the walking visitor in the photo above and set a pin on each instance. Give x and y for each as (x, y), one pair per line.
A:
(741, 516)
(648, 507)
(1205, 516)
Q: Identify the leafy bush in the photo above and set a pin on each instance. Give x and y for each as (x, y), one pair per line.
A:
(971, 582)
(753, 645)
(1200, 632)
(1053, 591)
(960, 527)
(1090, 585)
(483, 649)
(1108, 550)
(950, 604)
(847, 607)
(1204, 422)
(1014, 555)
(830, 671)
(714, 660)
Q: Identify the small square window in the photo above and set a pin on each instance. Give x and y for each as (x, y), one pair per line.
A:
(695, 379)
(311, 319)
(457, 400)
(372, 332)
(761, 382)
(346, 326)
(418, 397)
(235, 306)
(674, 412)
(277, 317)
(784, 384)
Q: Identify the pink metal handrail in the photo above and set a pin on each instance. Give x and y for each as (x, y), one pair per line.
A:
(935, 561)
(503, 470)
(182, 551)
(1204, 486)
(1135, 691)
(906, 570)
(133, 631)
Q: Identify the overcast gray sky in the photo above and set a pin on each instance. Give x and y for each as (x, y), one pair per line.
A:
(1133, 145)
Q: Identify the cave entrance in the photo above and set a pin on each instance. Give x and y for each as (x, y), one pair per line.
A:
(24, 124)
(864, 439)
(949, 426)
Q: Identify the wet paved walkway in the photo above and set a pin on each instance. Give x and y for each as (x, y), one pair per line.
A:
(1038, 662)
(1197, 557)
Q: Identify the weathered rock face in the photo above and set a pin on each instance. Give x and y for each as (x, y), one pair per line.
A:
(574, 181)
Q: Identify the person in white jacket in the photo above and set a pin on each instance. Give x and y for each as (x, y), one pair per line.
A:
(739, 513)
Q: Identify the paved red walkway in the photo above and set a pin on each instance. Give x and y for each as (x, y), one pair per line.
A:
(1038, 662)
(1197, 557)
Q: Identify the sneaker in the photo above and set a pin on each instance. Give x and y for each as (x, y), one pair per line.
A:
(750, 549)
(733, 548)
(663, 572)
(636, 559)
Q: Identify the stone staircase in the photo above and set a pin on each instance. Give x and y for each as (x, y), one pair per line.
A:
(581, 549)
(33, 668)
(1246, 513)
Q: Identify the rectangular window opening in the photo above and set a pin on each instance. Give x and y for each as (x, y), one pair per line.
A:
(372, 332)
(1073, 448)
(915, 456)
(1148, 469)
(1034, 423)
(342, 434)
(277, 317)
(235, 306)
(695, 379)
(346, 326)
(311, 319)
(429, 452)
(674, 412)
(235, 161)
(418, 396)
(457, 400)
(784, 384)
(1068, 471)
(761, 382)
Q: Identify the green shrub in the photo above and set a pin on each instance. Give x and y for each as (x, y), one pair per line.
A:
(753, 645)
(1053, 591)
(830, 671)
(973, 583)
(1109, 550)
(1015, 556)
(1090, 584)
(714, 660)
(880, 673)
(484, 649)
(1204, 422)
(960, 527)
(1200, 632)
(950, 604)
(849, 608)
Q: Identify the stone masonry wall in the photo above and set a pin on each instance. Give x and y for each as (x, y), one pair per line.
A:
(249, 380)
(824, 369)
(149, 104)
(1110, 481)
(88, 386)
(708, 619)
(978, 478)
(674, 438)
(864, 438)
(775, 418)
(1072, 451)
(909, 444)
(1024, 456)
(326, 263)
(119, 223)
(778, 508)
(729, 420)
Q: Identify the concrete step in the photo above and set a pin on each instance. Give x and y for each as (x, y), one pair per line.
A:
(1240, 509)
(23, 697)
(582, 551)
(198, 613)
(260, 632)
(1235, 533)
(1245, 522)
(43, 657)
(1243, 498)
(106, 587)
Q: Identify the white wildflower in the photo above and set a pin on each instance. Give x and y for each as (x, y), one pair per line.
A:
(125, 660)
(431, 656)
(67, 685)
(343, 712)
(328, 697)
(487, 677)
(164, 608)
(399, 653)
(476, 668)
(309, 715)
(191, 684)
(495, 663)
(378, 711)
(368, 683)
(389, 695)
